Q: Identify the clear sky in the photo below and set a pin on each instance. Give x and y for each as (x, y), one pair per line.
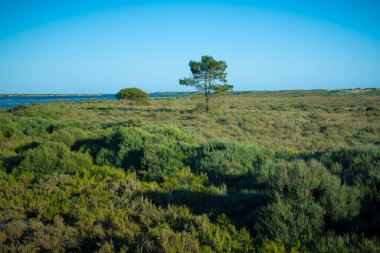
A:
(99, 46)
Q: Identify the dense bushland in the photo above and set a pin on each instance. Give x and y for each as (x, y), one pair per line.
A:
(109, 176)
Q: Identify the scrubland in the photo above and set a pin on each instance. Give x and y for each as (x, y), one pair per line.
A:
(294, 171)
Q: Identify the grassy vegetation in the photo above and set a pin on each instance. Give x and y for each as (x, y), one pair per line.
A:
(262, 172)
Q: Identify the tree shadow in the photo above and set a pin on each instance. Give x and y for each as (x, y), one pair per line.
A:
(11, 162)
(27, 146)
(92, 146)
(240, 207)
(253, 180)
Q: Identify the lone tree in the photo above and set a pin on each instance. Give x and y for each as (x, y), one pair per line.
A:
(132, 94)
(208, 76)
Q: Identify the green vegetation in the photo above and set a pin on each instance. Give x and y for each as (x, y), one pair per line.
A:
(289, 171)
(209, 76)
(133, 94)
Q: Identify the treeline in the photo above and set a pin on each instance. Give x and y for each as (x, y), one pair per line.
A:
(155, 188)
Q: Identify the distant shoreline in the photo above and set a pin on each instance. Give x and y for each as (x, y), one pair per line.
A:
(48, 95)
(334, 91)
(88, 95)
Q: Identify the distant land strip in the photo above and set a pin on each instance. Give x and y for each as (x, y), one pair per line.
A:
(47, 95)
(95, 94)
(320, 92)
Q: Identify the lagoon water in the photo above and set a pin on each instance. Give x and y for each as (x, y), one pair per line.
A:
(14, 100)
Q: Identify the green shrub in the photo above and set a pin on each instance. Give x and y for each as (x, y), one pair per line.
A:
(301, 182)
(291, 222)
(35, 126)
(359, 167)
(122, 148)
(7, 127)
(133, 94)
(307, 200)
(152, 154)
(101, 209)
(159, 160)
(184, 179)
(20, 107)
(68, 136)
(223, 159)
(354, 165)
(52, 157)
(346, 243)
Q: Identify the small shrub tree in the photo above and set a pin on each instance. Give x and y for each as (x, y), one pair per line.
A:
(133, 94)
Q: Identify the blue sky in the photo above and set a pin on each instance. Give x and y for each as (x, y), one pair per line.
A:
(97, 46)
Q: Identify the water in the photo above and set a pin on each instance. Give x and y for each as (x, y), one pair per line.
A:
(12, 101)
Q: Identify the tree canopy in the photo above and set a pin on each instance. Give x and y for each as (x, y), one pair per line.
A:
(132, 94)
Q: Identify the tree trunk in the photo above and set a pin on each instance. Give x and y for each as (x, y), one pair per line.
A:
(206, 94)
(207, 98)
